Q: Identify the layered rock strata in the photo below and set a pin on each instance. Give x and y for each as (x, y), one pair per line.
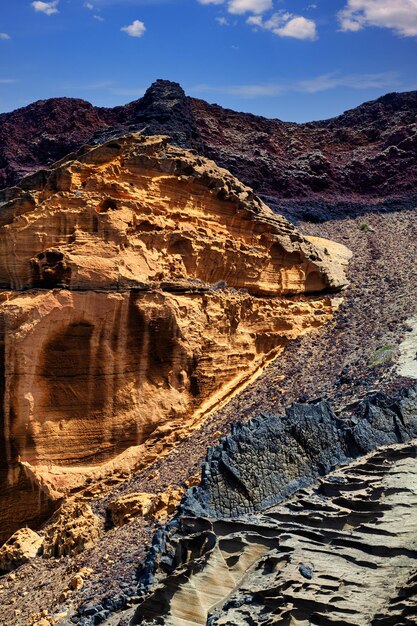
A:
(141, 286)
(341, 552)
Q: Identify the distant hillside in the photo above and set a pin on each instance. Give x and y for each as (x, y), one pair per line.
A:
(369, 152)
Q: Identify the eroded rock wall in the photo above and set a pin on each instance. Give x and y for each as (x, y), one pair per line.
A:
(142, 286)
(138, 212)
(367, 152)
(90, 374)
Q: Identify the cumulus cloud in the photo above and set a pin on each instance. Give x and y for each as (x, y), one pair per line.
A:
(222, 21)
(49, 8)
(98, 18)
(239, 7)
(249, 6)
(284, 24)
(4, 36)
(89, 5)
(136, 29)
(398, 15)
(323, 82)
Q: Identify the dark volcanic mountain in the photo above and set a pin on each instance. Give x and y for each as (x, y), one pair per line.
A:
(367, 153)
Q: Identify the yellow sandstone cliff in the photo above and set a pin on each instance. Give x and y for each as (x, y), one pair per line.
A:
(141, 286)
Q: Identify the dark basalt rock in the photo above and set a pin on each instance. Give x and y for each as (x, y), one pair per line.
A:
(165, 109)
(275, 534)
(266, 460)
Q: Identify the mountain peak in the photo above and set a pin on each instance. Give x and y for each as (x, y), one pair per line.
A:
(165, 109)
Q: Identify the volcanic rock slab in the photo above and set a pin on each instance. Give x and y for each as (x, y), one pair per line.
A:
(141, 286)
(337, 554)
(340, 553)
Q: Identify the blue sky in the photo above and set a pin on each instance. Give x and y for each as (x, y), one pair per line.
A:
(290, 59)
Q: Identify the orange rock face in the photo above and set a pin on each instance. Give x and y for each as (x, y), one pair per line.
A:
(142, 285)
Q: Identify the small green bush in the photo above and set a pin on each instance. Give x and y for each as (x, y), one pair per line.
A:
(383, 355)
(365, 228)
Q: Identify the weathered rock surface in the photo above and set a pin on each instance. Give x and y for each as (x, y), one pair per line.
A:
(159, 506)
(137, 213)
(341, 552)
(142, 286)
(73, 528)
(368, 152)
(43, 132)
(23, 545)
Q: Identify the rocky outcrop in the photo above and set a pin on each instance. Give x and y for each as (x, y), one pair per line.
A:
(138, 214)
(368, 153)
(73, 528)
(142, 286)
(24, 545)
(270, 457)
(159, 506)
(334, 553)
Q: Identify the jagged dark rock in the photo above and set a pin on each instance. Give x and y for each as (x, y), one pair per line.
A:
(165, 109)
(232, 533)
(265, 460)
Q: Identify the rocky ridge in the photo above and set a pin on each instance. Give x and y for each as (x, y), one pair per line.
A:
(357, 161)
(141, 287)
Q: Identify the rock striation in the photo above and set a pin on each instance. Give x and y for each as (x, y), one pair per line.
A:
(367, 154)
(255, 544)
(142, 286)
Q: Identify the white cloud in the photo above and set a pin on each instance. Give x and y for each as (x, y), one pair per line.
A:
(89, 6)
(284, 24)
(222, 21)
(8, 81)
(323, 82)
(239, 7)
(398, 15)
(98, 18)
(249, 6)
(4, 36)
(136, 29)
(49, 8)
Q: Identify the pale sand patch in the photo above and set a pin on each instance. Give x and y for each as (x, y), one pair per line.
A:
(407, 363)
